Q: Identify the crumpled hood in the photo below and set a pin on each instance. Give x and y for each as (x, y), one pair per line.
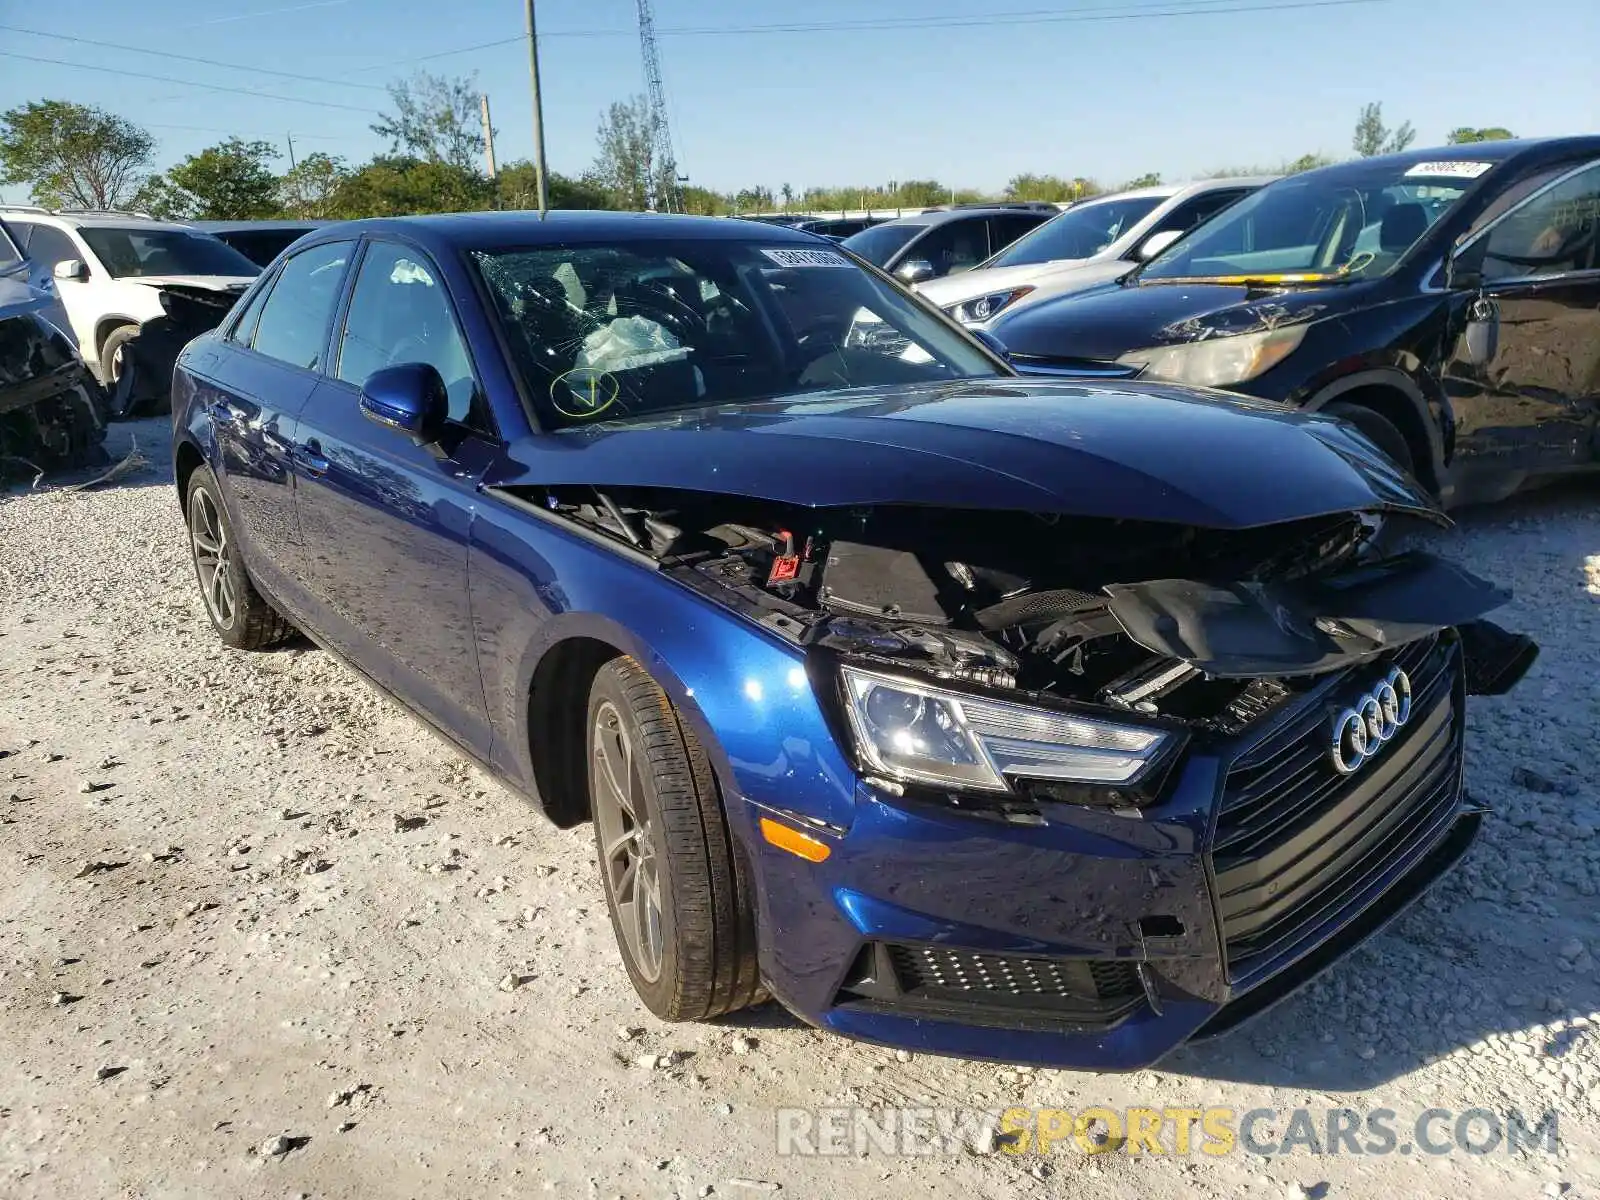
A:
(1109, 321)
(969, 285)
(216, 283)
(1142, 451)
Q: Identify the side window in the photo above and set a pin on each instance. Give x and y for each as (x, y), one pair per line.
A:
(1551, 234)
(47, 247)
(244, 329)
(399, 313)
(954, 246)
(1193, 213)
(1008, 229)
(294, 321)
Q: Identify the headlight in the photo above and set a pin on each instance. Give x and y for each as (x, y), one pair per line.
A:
(973, 312)
(1219, 361)
(919, 733)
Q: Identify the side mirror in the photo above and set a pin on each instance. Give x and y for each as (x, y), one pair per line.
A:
(410, 397)
(1155, 244)
(72, 269)
(994, 345)
(915, 270)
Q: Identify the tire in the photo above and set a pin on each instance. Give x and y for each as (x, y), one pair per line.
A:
(1379, 429)
(110, 349)
(655, 801)
(239, 614)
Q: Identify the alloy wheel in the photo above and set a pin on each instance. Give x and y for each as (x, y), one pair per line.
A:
(208, 538)
(627, 844)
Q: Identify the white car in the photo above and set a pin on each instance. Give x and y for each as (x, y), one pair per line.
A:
(1088, 244)
(103, 264)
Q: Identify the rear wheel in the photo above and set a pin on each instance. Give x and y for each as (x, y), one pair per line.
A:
(675, 887)
(1379, 429)
(239, 614)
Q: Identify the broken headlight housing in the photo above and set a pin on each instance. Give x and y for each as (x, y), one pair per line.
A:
(1218, 361)
(914, 732)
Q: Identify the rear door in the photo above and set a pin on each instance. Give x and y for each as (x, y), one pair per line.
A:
(251, 384)
(1537, 399)
(385, 521)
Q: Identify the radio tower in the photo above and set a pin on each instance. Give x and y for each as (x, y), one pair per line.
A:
(663, 163)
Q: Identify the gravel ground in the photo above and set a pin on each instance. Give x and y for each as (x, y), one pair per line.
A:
(262, 936)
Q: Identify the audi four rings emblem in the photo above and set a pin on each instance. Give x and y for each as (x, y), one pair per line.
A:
(1360, 731)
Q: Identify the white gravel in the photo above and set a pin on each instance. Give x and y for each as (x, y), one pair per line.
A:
(260, 935)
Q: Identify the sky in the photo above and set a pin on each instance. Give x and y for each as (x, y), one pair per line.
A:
(970, 92)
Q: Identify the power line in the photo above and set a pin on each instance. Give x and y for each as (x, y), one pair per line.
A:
(83, 41)
(210, 87)
(1148, 10)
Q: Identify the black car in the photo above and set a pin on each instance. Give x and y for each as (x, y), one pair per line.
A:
(259, 241)
(941, 242)
(1447, 302)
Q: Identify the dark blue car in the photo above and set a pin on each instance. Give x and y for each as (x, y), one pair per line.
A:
(996, 717)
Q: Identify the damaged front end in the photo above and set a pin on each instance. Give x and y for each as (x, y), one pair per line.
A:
(50, 407)
(1117, 780)
(143, 385)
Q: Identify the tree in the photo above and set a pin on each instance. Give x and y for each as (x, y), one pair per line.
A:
(396, 186)
(1147, 180)
(308, 189)
(230, 181)
(435, 119)
(787, 192)
(624, 166)
(1466, 135)
(1307, 162)
(516, 186)
(1372, 136)
(73, 155)
(704, 202)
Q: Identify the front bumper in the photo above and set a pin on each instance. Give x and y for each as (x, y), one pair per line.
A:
(1088, 939)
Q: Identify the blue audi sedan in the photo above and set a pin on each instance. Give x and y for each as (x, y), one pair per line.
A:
(1010, 718)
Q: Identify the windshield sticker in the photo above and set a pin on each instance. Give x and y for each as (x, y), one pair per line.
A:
(808, 258)
(583, 393)
(1451, 170)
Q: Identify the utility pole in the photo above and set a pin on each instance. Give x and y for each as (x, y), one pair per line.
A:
(488, 133)
(538, 114)
(291, 151)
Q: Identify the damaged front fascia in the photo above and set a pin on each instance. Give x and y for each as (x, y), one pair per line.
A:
(1262, 627)
(1310, 626)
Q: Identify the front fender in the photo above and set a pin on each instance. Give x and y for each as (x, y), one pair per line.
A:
(746, 694)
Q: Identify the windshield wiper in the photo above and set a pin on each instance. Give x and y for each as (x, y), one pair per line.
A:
(1287, 279)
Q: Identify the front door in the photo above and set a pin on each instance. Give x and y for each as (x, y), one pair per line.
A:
(1537, 397)
(386, 522)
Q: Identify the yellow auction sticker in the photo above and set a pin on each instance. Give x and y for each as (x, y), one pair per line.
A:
(583, 392)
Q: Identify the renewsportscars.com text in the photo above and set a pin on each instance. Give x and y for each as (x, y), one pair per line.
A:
(1214, 1131)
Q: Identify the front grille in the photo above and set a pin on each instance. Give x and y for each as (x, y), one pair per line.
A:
(947, 972)
(1297, 843)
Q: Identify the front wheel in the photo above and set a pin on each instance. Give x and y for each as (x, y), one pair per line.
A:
(1379, 430)
(675, 886)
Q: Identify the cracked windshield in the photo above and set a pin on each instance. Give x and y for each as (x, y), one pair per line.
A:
(617, 333)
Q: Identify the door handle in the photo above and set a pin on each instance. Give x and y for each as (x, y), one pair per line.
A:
(308, 456)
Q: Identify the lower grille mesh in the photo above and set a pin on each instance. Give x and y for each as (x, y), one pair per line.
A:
(947, 971)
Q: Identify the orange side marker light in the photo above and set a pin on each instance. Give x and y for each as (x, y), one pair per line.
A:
(800, 844)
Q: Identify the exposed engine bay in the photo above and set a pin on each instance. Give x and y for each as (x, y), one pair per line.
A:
(1211, 628)
(145, 382)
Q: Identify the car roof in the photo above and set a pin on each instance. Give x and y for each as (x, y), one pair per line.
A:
(91, 220)
(941, 216)
(1507, 150)
(246, 226)
(486, 230)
